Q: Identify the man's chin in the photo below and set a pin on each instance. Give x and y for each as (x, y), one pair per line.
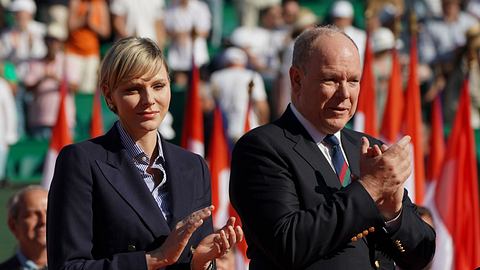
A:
(334, 126)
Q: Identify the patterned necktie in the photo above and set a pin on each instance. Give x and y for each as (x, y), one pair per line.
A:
(339, 163)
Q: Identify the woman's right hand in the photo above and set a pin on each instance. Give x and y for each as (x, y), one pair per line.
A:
(169, 252)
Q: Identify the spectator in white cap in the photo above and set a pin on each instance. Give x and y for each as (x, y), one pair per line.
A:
(230, 88)
(25, 39)
(342, 15)
(383, 41)
(20, 43)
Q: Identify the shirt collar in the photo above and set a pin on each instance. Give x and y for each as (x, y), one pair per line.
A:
(134, 150)
(316, 135)
(25, 263)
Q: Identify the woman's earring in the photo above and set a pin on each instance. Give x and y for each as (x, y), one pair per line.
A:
(112, 107)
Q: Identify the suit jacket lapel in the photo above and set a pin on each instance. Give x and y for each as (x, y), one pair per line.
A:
(307, 148)
(122, 174)
(181, 193)
(352, 151)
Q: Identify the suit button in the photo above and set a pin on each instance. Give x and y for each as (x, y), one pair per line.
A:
(132, 247)
(377, 264)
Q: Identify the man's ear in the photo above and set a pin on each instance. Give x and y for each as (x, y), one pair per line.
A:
(295, 79)
(11, 225)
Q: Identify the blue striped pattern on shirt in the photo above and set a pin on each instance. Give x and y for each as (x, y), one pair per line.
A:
(156, 174)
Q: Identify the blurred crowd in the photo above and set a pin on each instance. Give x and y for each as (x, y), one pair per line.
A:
(43, 43)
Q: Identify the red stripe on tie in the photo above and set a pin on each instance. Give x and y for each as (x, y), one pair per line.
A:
(343, 172)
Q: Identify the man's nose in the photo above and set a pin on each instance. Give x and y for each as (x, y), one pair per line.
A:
(343, 89)
(42, 219)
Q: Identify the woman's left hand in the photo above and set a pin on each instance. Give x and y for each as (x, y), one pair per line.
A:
(216, 245)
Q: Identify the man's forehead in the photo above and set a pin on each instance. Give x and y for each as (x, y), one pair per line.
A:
(334, 41)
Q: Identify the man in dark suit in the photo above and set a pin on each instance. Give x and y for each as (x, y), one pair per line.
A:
(27, 215)
(313, 194)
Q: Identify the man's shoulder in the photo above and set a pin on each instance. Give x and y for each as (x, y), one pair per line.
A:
(356, 136)
(268, 130)
(272, 135)
(11, 263)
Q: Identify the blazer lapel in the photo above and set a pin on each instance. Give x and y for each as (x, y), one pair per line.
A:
(308, 149)
(181, 193)
(122, 174)
(352, 151)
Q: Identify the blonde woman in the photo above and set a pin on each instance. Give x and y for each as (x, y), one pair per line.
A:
(124, 200)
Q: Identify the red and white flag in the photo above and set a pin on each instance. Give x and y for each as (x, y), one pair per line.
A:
(60, 137)
(366, 115)
(437, 150)
(192, 133)
(219, 164)
(96, 124)
(412, 126)
(241, 259)
(393, 113)
(456, 205)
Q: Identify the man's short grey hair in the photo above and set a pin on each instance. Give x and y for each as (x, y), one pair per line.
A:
(13, 204)
(305, 43)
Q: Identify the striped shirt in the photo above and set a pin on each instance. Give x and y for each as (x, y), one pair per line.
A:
(156, 173)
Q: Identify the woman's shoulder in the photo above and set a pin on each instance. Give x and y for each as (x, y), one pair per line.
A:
(92, 147)
(174, 153)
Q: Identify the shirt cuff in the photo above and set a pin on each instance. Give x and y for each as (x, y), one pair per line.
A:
(394, 224)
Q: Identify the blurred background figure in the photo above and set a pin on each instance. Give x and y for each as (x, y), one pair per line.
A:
(53, 12)
(248, 10)
(88, 22)
(441, 46)
(383, 41)
(305, 19)
(230, 86)
(141, 18)
(27, 216)
(342, 17)
(43, 82)
(24, 40)
(263, 43)
(8, 124)
(188, 23)
(290, 12)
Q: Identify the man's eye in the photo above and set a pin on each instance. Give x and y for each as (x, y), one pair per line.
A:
(329, 82)
(353, 83)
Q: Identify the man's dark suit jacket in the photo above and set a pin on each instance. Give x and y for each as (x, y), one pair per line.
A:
(11, 264)
(101, 214)
(296, 215)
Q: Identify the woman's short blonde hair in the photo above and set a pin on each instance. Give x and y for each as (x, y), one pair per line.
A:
(130, 58)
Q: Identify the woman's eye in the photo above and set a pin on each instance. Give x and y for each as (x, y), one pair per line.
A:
(132, 90)
(158, 86)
